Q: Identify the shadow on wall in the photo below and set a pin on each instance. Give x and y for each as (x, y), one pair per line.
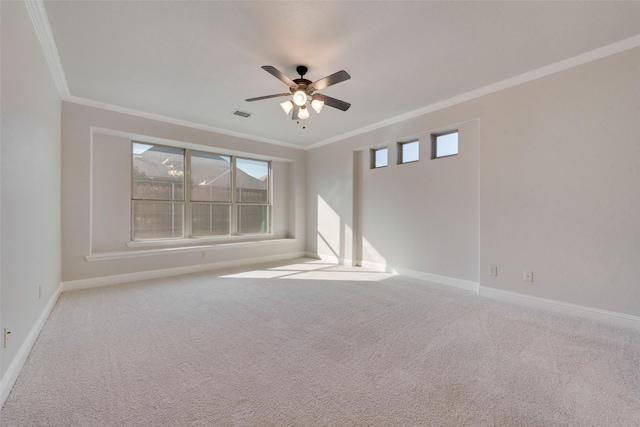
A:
(338, 240)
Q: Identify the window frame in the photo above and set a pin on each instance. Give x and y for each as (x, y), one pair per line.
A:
(400, 146)
(372, 155)
(235, 203)
(434, 144)
(182, 201)
(187, 202)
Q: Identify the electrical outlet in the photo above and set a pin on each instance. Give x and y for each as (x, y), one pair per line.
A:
(493, 270)
(5, 337)
(204, 254)
(528, 276)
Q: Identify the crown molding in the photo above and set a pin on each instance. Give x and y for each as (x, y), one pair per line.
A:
(171, 120)
(557, 67)
(40, 22)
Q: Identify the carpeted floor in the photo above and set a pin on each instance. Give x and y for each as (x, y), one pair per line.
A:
(310, 344)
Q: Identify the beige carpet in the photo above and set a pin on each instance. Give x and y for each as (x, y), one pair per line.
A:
(310, 344)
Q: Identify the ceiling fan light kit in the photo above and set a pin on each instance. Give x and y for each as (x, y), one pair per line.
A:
(303, 114)
(287, 106)
(317, 105)
(302, 92)
(299, 98)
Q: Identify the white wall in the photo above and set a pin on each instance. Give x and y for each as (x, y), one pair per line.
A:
(414, 218)
(96, 195)
(560, 182)
(30, 182)
(559, 172)
(424, 215)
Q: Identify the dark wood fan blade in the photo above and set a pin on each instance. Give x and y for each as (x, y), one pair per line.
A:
(279, 75)
(296, 109)
(334, 78)
(332, 102)
(267, 97)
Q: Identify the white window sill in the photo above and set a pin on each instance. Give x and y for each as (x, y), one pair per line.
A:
(199, 241)
(104, 256)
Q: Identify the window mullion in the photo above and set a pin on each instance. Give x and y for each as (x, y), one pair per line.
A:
(187, 194)
(233, 223)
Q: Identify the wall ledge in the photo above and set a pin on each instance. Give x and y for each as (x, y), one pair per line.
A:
(106, 256)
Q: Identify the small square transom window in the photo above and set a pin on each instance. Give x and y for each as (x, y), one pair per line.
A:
(444, 144)
(408, 152)
(379, 158)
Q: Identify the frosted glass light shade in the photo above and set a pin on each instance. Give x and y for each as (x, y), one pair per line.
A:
(303, 113)
(287, 106)
(317, 105)
(299, 98)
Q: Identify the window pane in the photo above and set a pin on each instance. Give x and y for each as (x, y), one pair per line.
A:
(210, 177)
(253, 219)
(445, 145)
(410, 152)
(158, 172)
(380, 157)
(209, 219)
(157, 220)
(252, 181)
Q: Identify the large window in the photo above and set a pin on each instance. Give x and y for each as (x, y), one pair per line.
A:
(227, 195)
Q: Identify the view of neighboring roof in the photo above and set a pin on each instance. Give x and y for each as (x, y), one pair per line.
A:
(166, 164)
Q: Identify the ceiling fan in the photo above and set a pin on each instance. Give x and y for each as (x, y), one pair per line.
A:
(303, 91)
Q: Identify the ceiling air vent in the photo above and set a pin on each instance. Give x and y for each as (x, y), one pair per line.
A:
(241, 114)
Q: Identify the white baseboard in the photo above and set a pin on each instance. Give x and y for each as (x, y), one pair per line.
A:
(429, 277)
(10, 377)
(603, 316)
(331, 258)
(442, 280)
(327, 258)
(95, 282)
(608, 317)
(376, 266)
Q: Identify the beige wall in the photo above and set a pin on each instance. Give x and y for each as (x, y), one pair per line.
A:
(559, 185)
(96, 194)
(30, 177)
(558, 178)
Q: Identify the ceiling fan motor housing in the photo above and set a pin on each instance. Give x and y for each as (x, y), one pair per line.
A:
(303, 85)
(302, 70)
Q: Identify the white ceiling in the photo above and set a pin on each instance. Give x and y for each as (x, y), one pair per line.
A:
(198, 61)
